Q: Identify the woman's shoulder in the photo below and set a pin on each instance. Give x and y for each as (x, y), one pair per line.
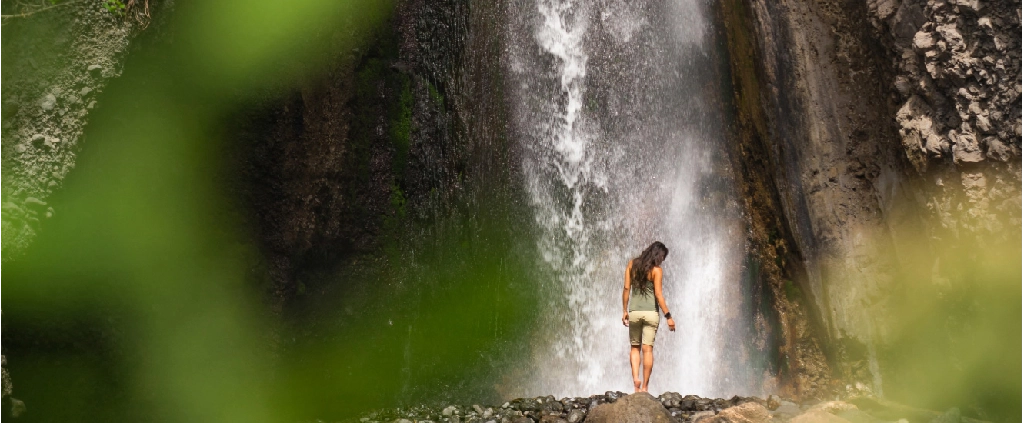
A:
(656, 270)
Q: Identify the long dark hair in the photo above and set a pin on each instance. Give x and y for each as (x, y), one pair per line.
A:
(652, 256)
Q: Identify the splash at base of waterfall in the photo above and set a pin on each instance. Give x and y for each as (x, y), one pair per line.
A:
(621, 148)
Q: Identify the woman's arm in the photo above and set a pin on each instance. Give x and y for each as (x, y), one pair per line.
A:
(661, 298)
(625, 295)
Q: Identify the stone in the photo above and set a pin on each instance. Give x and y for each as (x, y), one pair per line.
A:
(916, 127)
(903, 85)
(20, 148)
(522, 419)
(924, 40)
(702, 416)
(949, 33)
(985, 22)
(997, 150)
(882, 8)
(48, 102)
(17, 408)
(552, 419)
(750, 412)
(35, 202)
(84, 91)
(636, 408)
(981, 121)
(449, 410)
(936, 145)
(905, 23)
(965, 148)
(551, 407)
(833, 406)
(786, 408)
(95, 70)
(576, 416)
(973, 5)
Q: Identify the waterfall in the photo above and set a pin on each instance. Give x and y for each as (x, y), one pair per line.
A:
(616, 114)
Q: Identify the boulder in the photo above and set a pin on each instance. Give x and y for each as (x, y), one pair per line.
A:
(636, 408)
(750, 412)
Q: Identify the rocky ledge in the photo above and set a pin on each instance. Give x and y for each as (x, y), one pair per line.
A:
(619, 407)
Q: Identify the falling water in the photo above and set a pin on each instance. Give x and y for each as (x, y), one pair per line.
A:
(621, 136)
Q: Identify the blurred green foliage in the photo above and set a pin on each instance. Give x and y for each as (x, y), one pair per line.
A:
(956, 330)
(135, 302)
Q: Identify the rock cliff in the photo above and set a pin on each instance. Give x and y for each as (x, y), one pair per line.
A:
(878, 144)
(335, 167)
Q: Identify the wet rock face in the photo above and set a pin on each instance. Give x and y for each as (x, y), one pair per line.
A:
(332, 168)
(866, 129)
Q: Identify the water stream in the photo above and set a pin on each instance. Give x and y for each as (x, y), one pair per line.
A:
(616, 116)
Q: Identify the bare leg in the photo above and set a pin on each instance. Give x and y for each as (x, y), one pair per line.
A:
(634, 362)
(648, 365)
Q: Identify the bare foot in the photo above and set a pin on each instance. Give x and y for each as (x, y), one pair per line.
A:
(636, 385)
(643, 389)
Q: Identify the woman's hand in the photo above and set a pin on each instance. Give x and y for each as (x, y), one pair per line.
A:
(625, 318)
(671, 324)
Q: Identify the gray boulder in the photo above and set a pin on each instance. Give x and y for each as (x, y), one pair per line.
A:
(636, 408)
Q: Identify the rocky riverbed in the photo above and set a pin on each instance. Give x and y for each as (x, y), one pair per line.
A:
(668, 407)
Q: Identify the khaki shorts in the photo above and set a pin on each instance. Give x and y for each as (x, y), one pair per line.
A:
(643, 325)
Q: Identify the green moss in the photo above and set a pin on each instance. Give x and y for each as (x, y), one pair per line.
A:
(435, 96)
(400, 122)
(793, 292)
(397, 201)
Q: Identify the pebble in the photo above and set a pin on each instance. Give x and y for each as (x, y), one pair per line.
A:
(49, 101)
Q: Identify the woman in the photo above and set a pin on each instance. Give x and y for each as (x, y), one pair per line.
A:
(641, 301)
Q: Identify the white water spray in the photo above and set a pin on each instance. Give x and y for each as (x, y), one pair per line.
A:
(619, 143)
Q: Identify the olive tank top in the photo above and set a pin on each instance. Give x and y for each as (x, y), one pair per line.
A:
(640, 302)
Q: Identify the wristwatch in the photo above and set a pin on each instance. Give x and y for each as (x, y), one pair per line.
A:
(668, 315)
